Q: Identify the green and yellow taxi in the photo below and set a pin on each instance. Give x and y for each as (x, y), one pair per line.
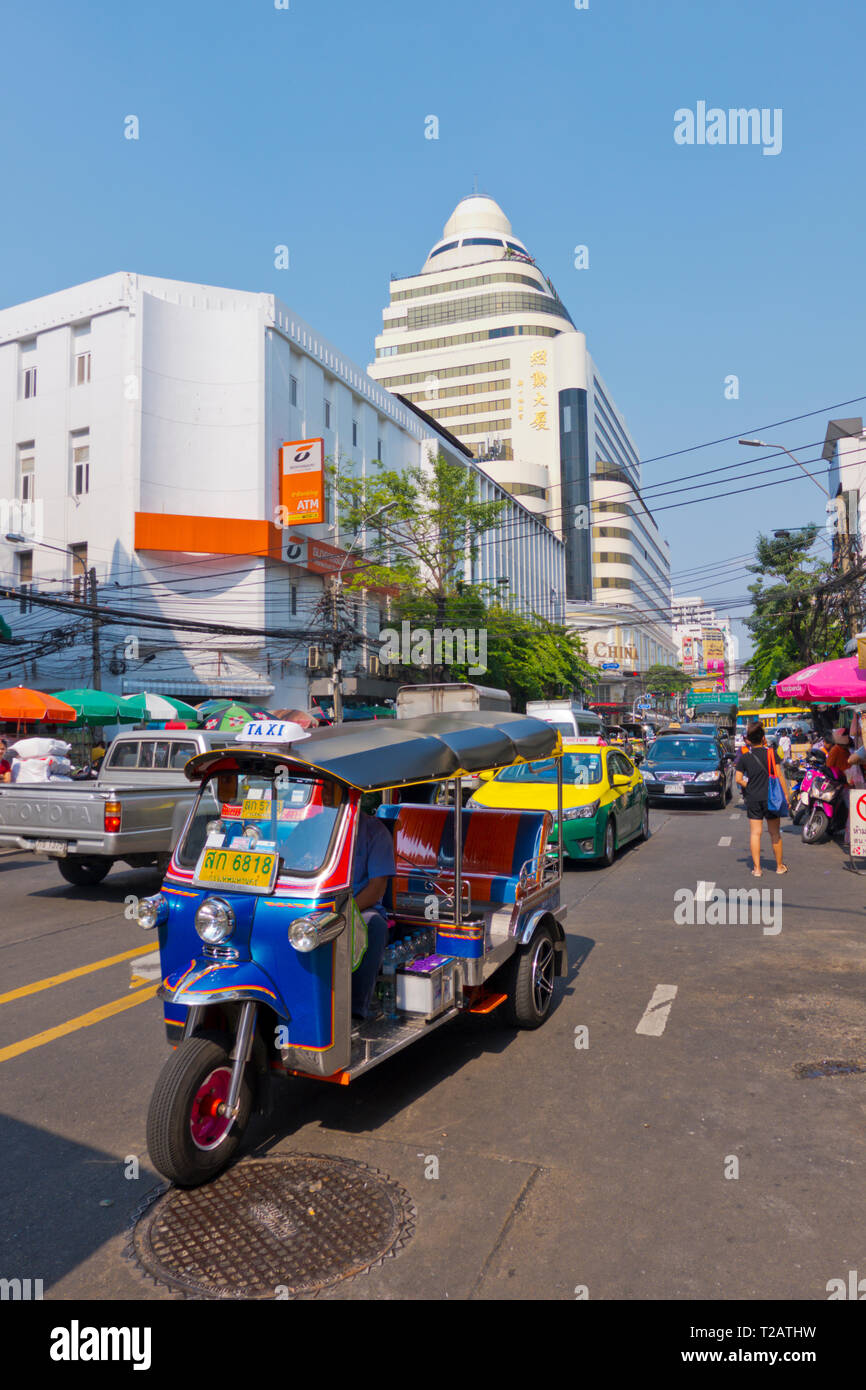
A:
(604, 800)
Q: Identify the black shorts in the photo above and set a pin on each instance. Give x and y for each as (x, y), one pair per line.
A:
(758, 810)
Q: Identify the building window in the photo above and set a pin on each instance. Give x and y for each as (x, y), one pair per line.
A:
(379, 450)
(82, 368)
(354, 432)
(293, 390)
(29, 382)
(80, 462)
(26, 472)
(294, 595)
(327, 415)
(79, 571)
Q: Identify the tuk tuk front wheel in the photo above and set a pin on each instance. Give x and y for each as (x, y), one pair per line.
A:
(530, 985)
(188, 1139)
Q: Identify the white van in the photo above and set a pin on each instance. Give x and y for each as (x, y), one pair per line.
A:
(572, 721)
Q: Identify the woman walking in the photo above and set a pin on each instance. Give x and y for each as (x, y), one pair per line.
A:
(753, 770)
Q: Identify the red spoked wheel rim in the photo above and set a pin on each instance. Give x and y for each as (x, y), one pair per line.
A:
(207, 1127)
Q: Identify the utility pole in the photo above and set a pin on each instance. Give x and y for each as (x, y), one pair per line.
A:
(334, 587)
(94, 635)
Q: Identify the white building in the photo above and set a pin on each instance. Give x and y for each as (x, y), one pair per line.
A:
(845, 454)
(482, 341)
(141, 424)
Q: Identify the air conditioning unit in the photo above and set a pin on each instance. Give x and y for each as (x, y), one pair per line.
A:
(373, 665)
(314, 658)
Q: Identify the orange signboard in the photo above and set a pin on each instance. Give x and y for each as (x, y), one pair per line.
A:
(302, 482)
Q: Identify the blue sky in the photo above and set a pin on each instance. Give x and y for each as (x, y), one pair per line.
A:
(305, 126)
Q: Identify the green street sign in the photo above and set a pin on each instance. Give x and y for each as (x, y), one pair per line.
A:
(725, 697)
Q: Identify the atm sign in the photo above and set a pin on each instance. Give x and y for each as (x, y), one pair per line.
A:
(302, 482)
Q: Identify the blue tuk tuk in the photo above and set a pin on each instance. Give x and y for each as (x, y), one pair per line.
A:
(256, 918)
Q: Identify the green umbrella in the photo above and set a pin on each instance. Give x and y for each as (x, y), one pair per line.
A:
(96, 707)
(227, 720)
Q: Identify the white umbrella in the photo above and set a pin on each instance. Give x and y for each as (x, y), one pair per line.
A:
(149, 706)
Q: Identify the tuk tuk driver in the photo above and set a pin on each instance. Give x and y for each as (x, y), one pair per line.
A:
(372, 866)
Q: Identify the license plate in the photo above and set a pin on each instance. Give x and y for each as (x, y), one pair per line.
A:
(674, 789)
(50, 847)
(246, 869)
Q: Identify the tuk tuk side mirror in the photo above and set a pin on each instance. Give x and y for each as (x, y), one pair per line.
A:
(315, 928)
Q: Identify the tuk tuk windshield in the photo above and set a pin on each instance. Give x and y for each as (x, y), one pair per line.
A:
(247, 813)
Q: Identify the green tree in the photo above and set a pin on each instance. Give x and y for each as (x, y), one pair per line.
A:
(421, 526)
(792, 621)
(665, 680)
(531, 658)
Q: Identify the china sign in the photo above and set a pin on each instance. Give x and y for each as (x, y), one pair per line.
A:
(302, 482)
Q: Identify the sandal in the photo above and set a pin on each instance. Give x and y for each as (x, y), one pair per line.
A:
(757, 873)
(783, 869)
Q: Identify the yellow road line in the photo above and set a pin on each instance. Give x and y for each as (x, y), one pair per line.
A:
(82, 1021)
(53, 980)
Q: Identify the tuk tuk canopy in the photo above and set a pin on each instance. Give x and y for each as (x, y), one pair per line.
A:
(379, 755)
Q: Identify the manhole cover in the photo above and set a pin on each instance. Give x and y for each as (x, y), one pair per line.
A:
(273, 1228)
(805, 1071)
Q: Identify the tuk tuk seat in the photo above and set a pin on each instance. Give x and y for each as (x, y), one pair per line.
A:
(496, 846)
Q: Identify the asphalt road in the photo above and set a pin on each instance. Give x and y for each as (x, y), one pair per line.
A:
(606, 1167)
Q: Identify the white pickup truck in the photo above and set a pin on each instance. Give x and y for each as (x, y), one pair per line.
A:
(132, 813)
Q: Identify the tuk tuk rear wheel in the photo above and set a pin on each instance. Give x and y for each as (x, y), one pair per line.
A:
(187, 1139)
(530, 982)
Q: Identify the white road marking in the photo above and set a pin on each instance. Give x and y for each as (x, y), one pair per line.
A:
(655, 1015)
(725, 840)
(144, 969)
(704, 890)
(735, 816)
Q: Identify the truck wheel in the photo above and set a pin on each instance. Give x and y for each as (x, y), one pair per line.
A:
(84, 873)
(530, 982)
(188, 1140)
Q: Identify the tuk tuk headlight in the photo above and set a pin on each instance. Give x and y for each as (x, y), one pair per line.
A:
(214, 920)
(151, 911)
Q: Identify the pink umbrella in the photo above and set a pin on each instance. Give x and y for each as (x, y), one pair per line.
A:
(829, 682)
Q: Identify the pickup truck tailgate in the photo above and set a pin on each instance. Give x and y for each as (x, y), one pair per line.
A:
(51, 812)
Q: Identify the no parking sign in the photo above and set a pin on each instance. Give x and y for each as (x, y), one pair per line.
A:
(857, 818)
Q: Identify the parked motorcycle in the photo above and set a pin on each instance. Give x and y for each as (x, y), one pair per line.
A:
(800, 780)
(828, 806)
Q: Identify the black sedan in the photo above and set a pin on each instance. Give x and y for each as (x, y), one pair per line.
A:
(686, 767)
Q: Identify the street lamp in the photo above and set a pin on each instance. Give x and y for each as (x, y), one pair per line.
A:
(762, 444)
(16, 538)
